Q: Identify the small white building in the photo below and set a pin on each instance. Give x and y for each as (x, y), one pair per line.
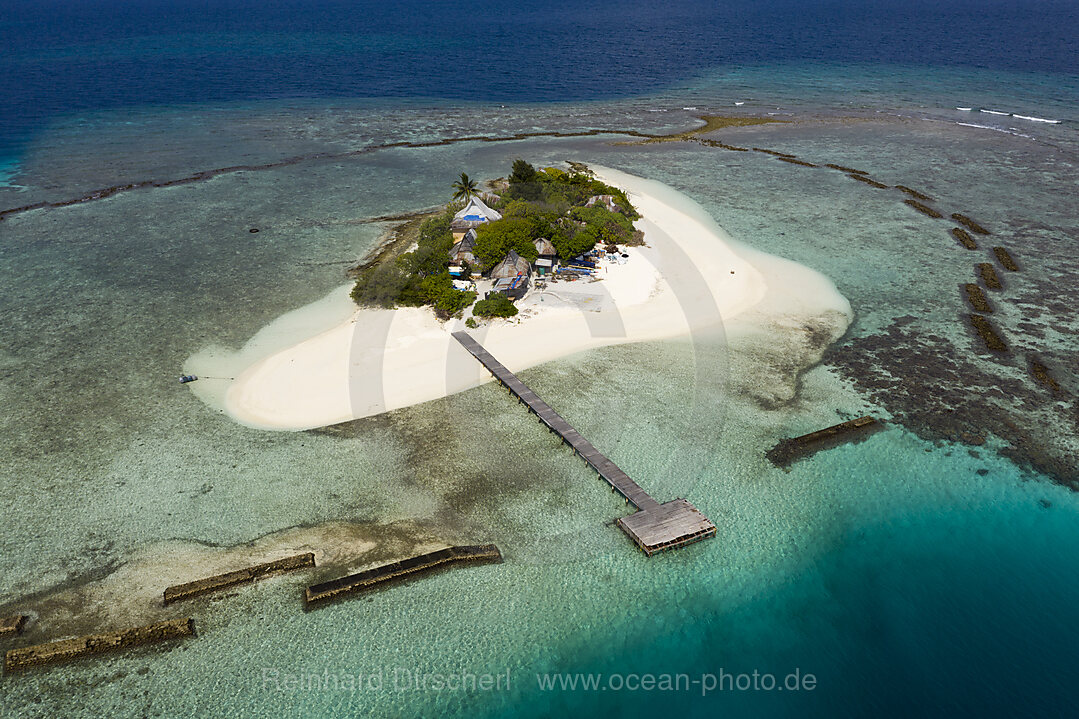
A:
(471, 216)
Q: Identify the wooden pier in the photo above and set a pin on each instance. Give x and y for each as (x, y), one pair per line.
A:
(655, 527)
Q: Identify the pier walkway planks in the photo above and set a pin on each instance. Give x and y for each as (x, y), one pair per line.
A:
(656, 526)
(605, 467)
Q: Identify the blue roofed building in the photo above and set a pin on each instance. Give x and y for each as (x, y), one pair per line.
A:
(472, 215)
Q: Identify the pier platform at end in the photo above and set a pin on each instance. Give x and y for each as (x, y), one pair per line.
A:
(667, 526)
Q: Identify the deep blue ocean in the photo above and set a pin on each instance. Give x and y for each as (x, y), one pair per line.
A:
(62, 56)
(913, 577)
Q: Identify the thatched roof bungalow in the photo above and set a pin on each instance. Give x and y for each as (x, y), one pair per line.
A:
(462, 251)
(512, 266)
(471, 216)
(545, 249)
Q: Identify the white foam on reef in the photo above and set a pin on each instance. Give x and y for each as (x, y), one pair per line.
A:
(1036, 119)
(1028, 118)
(1011, 131)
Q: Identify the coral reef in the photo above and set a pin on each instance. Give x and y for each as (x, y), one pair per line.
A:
(970, 224)
(924, 209)
(242, 576)
(986, 331)
(395, 571)
(868, 181)
(1005, 259)
(1042, 376)
(914, 193)
(843, 168)
(855, 430)
(96, 644)
(977, 298)
(775, 153)
(964, 238)
(725, 146)
(989, 276)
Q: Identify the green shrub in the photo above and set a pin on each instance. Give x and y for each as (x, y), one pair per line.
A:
(611, 226)
(577, 188)
(496, 305)
(432, 287)
(402, 281)
(438, 291)
(379, 286)
(452, 301)
(431, 255)
(569, 245)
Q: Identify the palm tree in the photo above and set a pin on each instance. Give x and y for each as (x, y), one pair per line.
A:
(464, 188)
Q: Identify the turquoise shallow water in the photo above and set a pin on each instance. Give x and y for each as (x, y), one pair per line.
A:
(9, 166)
(909, 573)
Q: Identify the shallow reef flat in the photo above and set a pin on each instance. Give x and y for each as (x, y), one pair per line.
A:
(978, 453)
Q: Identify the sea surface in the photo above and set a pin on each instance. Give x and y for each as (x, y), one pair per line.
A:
(928, 570)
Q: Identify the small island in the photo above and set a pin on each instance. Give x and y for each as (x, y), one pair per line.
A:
(536, 227)
(549, 254)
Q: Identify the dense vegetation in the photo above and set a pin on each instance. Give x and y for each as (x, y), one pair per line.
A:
(535, 203)
(559, 190)
(550, 203)
(419, 277)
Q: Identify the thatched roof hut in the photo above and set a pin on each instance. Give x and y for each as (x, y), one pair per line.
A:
(476, 210)
(511, 266)
(472, 215)
(462, 251)
(544, 247)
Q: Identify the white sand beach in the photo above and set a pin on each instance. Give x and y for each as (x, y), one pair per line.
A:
(690, 276)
